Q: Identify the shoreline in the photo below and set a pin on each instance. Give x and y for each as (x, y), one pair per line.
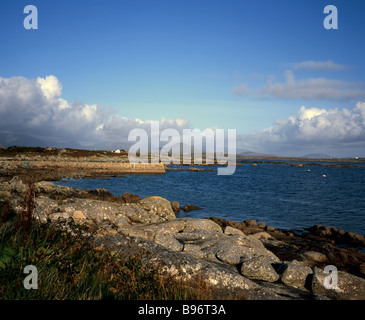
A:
(59, 164)
(53, 164)
(334, 233)
(46, 164)
(246, 257)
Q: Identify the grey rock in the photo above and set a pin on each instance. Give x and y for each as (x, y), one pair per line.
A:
(194, 250)
(230, 230)
(137, 215)
(130, 230)
(105, 230)
(130, 197)
(259, 268)
(59, 216)
(197, 234)
(45, 204)
(95, 210)
(158, 206)
(261, 224)
(206, 224)
(248, 241)
(337, 235)
(182, 265)
(261, 235)
(56, 192)
(41, 217)
(250, 223)
(175, 206)
(99, 211)
(121, 221)
(228, 241)
(349, 287)
(294, 275)
(168, 241)
(79, 216)
(228, 248)
(233, 254)
(283, 250)
(284, 292)
(15, 185)
(168, 227)
(190, 207)
(314, 257)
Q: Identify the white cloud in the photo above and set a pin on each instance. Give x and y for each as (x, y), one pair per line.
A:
(35, 107)
(240, 89)
(313, 129)
(50, 86)
(182, 122)
(63, 104)
(307, 89)
(328, 65)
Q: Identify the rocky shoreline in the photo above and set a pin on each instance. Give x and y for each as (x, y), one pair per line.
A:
(56, 168)
(240, 259)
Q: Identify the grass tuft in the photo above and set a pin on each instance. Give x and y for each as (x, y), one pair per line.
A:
(69, 268)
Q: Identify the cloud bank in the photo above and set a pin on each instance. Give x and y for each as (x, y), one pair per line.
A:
(338, 132)
(34, 110)
(320, 65)
(306, 89)
(310, 88)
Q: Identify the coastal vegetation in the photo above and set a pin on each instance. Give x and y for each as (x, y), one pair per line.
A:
(70, 268)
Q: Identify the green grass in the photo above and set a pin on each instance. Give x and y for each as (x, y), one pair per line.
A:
(69, 268)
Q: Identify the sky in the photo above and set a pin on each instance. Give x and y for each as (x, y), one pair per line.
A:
(94, 70)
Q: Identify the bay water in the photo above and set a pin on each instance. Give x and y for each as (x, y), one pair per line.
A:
(282, 195)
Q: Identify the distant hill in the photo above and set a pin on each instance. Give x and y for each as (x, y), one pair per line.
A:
(248, 153)
(317, 156)
(7, 140)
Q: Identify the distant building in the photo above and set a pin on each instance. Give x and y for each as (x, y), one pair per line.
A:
(119, 151)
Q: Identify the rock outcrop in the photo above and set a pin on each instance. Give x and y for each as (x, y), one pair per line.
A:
(190, 207)
(175, 206)
(237, 258)
(339, 236)
(344, 287)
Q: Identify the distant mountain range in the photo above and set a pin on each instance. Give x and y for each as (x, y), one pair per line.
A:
(317, 156)
(248, 153)
(19, 139)
(7, 140)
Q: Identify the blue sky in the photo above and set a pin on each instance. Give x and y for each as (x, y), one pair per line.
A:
(231, 64)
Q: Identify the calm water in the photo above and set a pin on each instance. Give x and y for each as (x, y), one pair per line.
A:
(284, 196)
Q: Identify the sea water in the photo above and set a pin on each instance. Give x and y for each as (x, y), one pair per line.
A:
(282, 195)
